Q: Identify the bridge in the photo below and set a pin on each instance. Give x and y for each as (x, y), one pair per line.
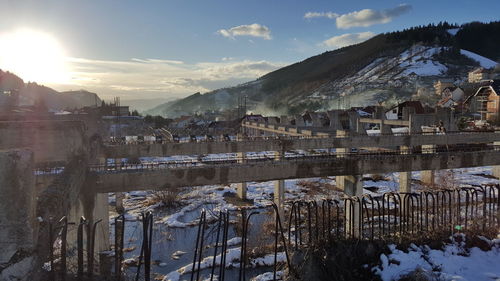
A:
(79, 181)
(256, 144)
(226, 170)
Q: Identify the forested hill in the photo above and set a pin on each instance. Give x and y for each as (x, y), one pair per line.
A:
(429, 52)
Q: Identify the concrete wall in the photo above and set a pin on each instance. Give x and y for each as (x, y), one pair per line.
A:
(18, 224)
(49, 140)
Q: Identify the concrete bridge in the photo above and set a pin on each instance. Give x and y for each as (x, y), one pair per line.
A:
(256, 144)
(28, 200)
(191, 173)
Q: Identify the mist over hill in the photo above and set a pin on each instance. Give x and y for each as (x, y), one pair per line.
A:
(385, 69)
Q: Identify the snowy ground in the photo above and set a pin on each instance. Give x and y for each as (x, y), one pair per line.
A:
(175, 228)
(453, 262)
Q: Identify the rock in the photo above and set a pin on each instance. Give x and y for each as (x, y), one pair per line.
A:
(177, 255)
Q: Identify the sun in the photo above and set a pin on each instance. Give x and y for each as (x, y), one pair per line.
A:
(34, 56)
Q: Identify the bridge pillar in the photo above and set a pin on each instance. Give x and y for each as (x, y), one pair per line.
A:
(101, 212)
(385, 129)
(353, 186)
(241, 188)
(496, 169)
(339, 180)
(279, 185)
(405, 182)
(427, 177)
(415, 125)
(94, 207)
(119, 196)
(404, 177)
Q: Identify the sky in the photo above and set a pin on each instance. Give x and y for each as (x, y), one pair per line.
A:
(173, 48)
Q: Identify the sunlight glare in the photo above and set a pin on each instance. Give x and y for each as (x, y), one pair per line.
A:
(33, 56)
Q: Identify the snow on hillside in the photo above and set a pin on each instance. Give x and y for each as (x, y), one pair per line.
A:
(418, 60)
(453, 31)
(484, 62)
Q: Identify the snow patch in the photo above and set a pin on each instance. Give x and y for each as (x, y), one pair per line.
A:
(453, 31)
(484, 62)
(453, 262)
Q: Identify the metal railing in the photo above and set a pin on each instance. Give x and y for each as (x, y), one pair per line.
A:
(288, 137)
(301, 224)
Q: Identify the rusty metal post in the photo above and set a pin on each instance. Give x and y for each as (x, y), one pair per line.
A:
(90, 250)
(64, 243)
(79, 242)
(51, 249)
(119, 240)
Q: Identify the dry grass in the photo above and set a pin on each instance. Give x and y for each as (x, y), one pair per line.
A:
(447, 180)
(233, 199)
(313, 188)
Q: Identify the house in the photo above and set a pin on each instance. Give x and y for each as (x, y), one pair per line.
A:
(486, 101)
(273, 120)
(456, 93)
(371, 109)
(254, 118)
(442, 84)
(396, 112)
(316, 119)
(451, 97)
(478, 75)
(9, 99)
(182, 121)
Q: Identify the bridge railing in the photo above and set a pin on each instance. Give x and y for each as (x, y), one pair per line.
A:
(266, 138)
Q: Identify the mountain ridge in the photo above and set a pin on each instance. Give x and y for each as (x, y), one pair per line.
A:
(32, 93)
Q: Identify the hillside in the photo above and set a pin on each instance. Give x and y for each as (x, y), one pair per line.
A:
(31, 93)
(384, 69)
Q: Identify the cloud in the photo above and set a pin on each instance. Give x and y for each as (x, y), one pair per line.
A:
(347, 39)
(154, 78)
(255, 30)
(330, 15)
(369, 17)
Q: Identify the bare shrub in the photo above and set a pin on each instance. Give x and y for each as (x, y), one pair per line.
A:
(167, 197)
(263, 243)
(447, 180)
(379, 177)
